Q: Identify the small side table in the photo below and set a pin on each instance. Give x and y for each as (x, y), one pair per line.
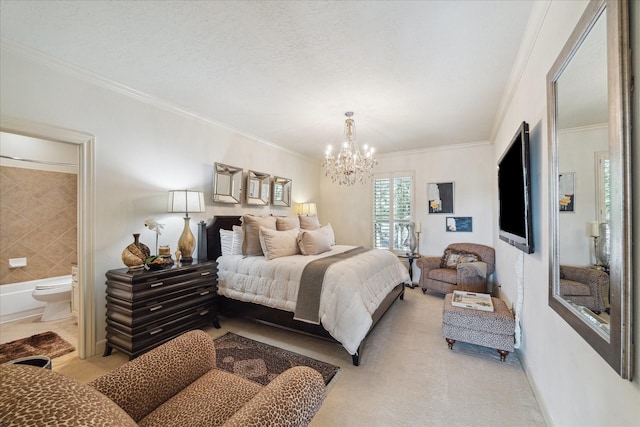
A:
(410, 258)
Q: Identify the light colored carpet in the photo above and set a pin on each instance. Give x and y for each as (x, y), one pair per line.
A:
(407, 375)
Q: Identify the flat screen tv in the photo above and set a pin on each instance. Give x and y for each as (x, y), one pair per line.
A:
(514, 192)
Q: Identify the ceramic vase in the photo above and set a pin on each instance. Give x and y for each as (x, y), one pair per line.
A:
(135, 254)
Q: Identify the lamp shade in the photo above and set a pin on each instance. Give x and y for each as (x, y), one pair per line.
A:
(307, 209)
(185, 201)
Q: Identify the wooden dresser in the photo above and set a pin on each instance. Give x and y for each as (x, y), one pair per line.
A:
(146, 308)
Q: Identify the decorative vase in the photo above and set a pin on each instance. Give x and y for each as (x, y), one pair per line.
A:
(411, 240)
(186, 243)
(134, 255)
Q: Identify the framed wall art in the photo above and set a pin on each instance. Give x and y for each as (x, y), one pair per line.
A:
(440, 197)
(567, 192)
(459, 224)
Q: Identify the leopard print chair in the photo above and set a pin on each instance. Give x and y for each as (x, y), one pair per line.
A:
(176, 384)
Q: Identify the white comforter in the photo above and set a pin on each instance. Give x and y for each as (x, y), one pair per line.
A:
(352, 290)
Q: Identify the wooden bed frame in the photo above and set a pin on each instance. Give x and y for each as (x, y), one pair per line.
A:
(272, 316)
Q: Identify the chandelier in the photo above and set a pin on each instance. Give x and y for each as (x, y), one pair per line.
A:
(350, 165)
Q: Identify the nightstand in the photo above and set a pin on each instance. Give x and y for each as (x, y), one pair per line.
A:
(410, 258)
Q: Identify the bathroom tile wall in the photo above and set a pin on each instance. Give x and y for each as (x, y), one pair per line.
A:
(38, 221)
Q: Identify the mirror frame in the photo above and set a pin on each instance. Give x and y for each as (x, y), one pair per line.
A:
(263, 194)
(234, 193)
(617, 347)
(285, 183)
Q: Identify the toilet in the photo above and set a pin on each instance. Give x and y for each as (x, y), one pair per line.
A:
(58, 300)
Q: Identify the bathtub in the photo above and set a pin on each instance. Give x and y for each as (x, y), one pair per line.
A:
(16, 301)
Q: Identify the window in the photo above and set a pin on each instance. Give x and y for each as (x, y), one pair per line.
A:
(603, 191)
(392, 208)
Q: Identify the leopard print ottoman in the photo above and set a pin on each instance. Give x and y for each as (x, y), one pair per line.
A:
(494, 329)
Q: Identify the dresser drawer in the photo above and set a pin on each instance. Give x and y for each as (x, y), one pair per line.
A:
(158, 285)
(138, 344)
(142, 315)
(152, 325)
(160, 301)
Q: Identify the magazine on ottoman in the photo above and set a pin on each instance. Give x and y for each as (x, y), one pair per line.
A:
(472, 300)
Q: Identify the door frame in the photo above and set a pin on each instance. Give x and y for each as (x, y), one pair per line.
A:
(86, 217)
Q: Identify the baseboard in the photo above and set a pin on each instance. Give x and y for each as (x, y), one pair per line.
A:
(536, 391)
(100, 346)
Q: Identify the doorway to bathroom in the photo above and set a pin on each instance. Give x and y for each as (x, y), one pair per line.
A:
(60, 256)
(39, 192)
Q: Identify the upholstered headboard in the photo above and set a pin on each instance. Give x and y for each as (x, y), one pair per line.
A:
(213, 233)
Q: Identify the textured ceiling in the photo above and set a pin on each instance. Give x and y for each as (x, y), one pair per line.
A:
(416, 73)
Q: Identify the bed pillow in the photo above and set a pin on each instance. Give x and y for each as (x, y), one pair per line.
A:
(287, 223)
(452, 258)
(276, 244)
(226, 242)
(309, 222)
(313, 242)
(238, 238)
(327, 230)
(251, 228)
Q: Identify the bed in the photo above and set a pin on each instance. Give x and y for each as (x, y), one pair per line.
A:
(341, 314)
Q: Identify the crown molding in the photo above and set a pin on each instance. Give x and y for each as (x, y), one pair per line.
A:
(432, 149)
(534, 25)
(105, 83)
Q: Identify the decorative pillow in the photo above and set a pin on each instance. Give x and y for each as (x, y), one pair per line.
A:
(276, 244)
(328, 231)
(313, 242)
(251, 228)
(309, 222)
(452, 258)
(287, 223)
(238, 238)
(226, 241)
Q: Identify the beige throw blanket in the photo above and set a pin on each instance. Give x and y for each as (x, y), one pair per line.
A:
(479, 266)
(308, 304)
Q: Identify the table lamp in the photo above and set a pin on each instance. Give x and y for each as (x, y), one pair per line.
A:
(186, 201)
(308, 209)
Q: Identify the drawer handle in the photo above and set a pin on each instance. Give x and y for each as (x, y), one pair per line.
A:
(202, 313)
(205, 273)
(204, 293)
(153, 285)
(157, 307)
(155, 331)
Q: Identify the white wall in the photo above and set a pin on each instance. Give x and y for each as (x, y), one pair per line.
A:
(574, 385)
(469, 167)
(141, 152)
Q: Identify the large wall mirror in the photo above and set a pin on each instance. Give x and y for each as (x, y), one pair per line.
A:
(588, 93)
(258, 188)
(227, 184)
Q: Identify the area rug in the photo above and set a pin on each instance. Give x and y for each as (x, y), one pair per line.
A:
(262, 362)
(44, 344)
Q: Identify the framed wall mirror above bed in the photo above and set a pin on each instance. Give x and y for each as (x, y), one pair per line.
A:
(227, 184)
(258, 188)
(588, 96)
(281, 191)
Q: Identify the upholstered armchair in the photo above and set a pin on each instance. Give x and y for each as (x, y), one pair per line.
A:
(463, 267)
(585, 286)
(176, 384)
